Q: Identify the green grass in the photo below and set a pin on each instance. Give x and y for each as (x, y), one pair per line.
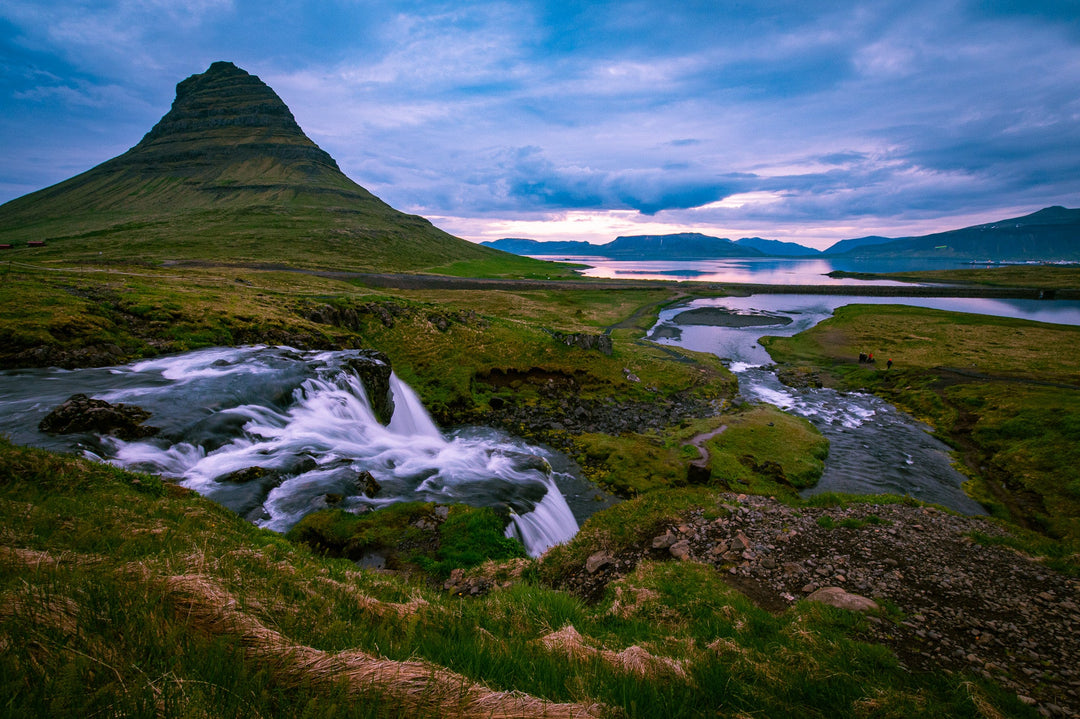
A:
(92, 623)
(507, 266)
(83, 317)
(1038, 277)
(627, 525)
(827, 522)
(411, 534)
(996, 389)
(767, 451)
(632, 463)
(762, 451)
(133, 651)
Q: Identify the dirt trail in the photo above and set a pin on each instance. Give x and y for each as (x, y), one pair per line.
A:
(698, 442)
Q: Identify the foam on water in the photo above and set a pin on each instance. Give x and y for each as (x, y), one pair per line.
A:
(306, 417)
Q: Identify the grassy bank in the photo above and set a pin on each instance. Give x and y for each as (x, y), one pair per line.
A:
(1002, 392)
(1033, 276)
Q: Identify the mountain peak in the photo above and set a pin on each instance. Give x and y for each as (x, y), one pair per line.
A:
(227, 106)
(227, 173)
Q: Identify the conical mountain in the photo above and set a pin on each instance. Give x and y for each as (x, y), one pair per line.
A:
(227, 175)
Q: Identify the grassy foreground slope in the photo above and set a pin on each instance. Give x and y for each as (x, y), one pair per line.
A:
(122, 595)
(1003, 392)
(127, 596)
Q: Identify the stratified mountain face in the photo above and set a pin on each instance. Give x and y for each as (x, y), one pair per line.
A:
(228, 174)
(1049, 234)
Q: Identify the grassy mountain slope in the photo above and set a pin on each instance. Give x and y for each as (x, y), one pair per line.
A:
(1052, 233)
(227, 175)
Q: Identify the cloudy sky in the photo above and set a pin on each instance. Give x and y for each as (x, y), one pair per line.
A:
(797, 120)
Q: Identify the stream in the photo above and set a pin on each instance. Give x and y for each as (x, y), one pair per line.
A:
(305, 417)
(873, 447)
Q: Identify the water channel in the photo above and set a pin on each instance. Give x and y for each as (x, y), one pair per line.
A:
(874, 448)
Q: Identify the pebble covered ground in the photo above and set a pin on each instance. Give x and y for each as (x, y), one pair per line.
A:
(964, 605)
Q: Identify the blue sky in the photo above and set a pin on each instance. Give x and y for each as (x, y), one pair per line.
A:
(795, 120)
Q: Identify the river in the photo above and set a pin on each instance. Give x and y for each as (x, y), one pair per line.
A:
(874, 448)
(305, 417)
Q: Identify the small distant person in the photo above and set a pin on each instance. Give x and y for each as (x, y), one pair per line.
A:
(862, 358)
(888, 363)
(870, 358)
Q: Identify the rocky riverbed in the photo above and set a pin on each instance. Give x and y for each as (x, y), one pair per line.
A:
(952, 603)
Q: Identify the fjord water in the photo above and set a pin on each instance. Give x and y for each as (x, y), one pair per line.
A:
(762, 270)
(873, 447)
(305, 416)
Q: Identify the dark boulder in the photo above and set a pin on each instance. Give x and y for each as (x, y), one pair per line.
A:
(800, 377)
(698, 473)
(373, 369)
(368, 484)
(441, 323)
(250, 474)
(83, 414)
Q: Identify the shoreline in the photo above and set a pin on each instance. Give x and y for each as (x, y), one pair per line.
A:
(404, 281)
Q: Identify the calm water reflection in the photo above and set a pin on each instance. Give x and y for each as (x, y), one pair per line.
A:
(739, 344)
(772, 270)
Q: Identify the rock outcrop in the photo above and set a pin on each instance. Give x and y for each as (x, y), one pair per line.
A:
(373, 369)
(584, 341)
(80, 413)
(954, 604)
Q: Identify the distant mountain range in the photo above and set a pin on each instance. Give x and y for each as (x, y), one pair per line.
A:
(1047, 235)
(776, 248)
(845, 247)
(683, 246)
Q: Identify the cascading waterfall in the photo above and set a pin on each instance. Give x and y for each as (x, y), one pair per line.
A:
(306, 419)
(410, 417)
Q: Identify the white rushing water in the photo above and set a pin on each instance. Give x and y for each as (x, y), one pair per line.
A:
(306, 418)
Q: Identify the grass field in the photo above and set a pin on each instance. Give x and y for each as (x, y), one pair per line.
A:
(1033, 276)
